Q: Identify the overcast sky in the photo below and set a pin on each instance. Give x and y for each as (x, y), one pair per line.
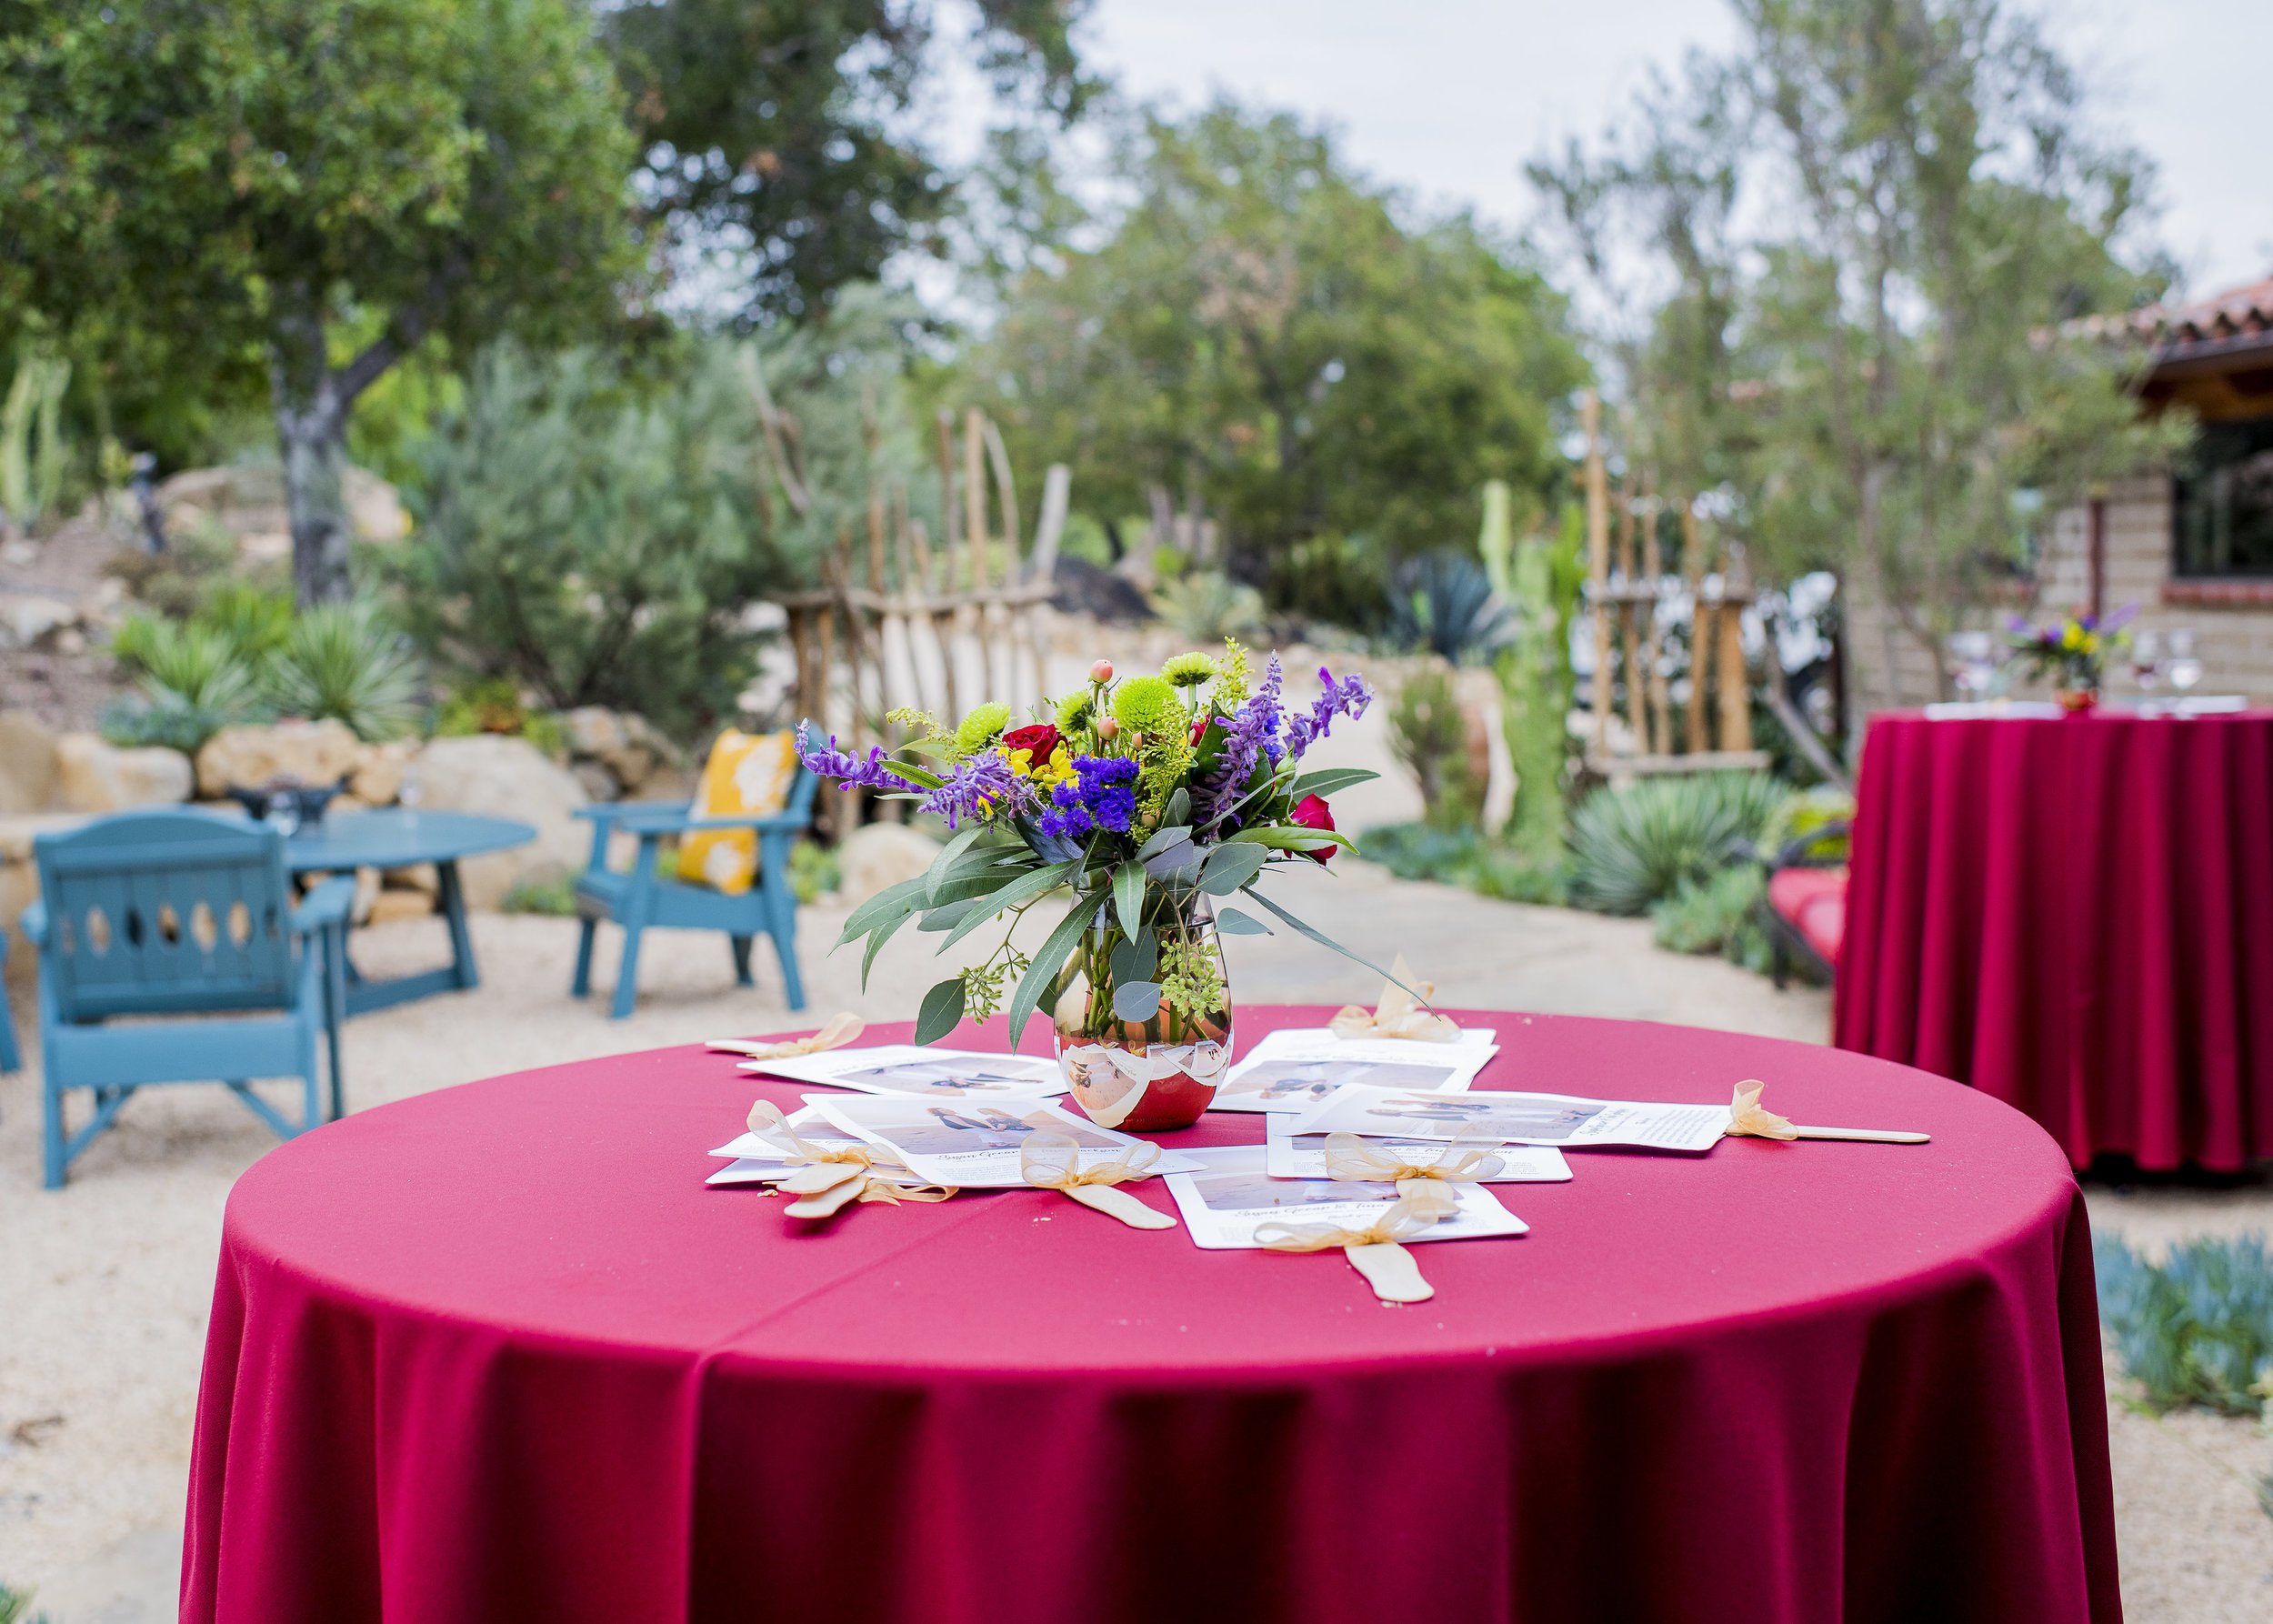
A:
(1449, 97)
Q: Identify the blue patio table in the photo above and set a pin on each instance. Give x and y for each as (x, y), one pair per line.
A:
(398, 838)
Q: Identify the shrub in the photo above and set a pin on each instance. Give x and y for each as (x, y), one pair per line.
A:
(813, 871)
(1633, 847)
(593, 543)
(1206, 605)
(255, 620)
(15, 1607)
(343, 661)
(555, 896)
(1464, 857)
(1716, 915)
(194, 683)
(2198, 1329)
(496, 705)
(1428, 732)
(1444, 604)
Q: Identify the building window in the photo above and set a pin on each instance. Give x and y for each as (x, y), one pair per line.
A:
(2223, 501)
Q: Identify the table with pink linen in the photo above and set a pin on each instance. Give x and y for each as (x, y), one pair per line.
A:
(2075, 915)
(495, 1353)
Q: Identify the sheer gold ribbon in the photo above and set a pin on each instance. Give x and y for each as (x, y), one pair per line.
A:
(1051, 1159)
(1399, 1013)
(1747, 1116)
(841, 1029)
(1372, 1251)
(827, 1177)
(1348, 1155)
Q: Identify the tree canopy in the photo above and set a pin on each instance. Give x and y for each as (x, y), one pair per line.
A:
(1263, 332)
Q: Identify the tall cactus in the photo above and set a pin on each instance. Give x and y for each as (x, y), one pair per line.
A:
(1541, 577)
(32, 458)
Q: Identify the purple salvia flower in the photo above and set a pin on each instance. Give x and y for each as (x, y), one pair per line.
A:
(876, 773)
(1251, 732)
(979, 786)
(1348, 699)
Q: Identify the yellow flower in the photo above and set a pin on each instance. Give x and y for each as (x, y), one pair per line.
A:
(2071, 635)
(1058, 770)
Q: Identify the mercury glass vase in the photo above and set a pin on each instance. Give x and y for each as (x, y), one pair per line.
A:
(1160, 1071)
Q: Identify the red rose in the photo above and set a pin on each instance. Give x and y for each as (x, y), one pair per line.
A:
(1315, 814)
(1039, 737)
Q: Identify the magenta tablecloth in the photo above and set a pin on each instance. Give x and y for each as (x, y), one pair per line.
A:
(495, 1354)
(2075, 916)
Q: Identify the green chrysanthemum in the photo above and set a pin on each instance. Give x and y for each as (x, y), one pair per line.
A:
(1148, 704)
(1189, 670)
(1075, 710)
(981, 728)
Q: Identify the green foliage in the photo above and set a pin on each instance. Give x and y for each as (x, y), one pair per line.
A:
(344, 661)
(254, 621)
(553, 897)
(206, 188)
(1634, 848)
(1464, 858)
(200, 562)
(594, 543)
(194, 663)
(15, 1608)
(1428, 732)
(2195, 1329)
(32, 449)
(1260, 327)
(1444, 604)
(1541, 579)
(1714, 914)
(1207, 606)
(496, 704)
(813, 871)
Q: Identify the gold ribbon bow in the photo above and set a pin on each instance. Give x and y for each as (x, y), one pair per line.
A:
(841, 1029)
(1051, 1159)
(1746, 1116)
(1372, 1251)
(827, 1177)
(1348, 1155)
(1399, 1014)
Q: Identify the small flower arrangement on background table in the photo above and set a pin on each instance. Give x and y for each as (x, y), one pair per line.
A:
(1149, 799)
(2071, 653)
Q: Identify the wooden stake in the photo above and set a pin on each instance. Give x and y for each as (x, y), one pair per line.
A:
(1630, 632)
(1653, 567)
(950, 523)
(975, 496)
(1700, 630)
(1598, 563)
(1735, 689)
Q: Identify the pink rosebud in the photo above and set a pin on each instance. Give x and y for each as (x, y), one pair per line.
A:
(1101, 672)
(1109, 728)
(1313, 813)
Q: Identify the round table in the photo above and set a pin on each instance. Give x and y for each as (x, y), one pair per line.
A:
(2075, 916)
(400, 837)
(495, 1353)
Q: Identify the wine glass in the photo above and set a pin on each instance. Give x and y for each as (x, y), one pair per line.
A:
(407, 793)
(2147, 666)
(2183, 667)
(1972, 663)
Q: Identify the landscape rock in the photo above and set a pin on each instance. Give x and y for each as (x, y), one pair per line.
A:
(877, 855)
(388, 907)
(621, 741)
(377, 778)
(501, 776)
(251, 756)
(598, 781)
(420, 877)
(95, 777)
(249, 504)
(27, 763)
(28, 619)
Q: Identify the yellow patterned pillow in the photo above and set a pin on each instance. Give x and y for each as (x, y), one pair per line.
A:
(748, 774)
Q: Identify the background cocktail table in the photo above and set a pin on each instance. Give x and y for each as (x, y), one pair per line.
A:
(495, 1353)
(400, 837)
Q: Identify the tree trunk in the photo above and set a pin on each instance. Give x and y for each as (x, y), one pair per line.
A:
(314, 442)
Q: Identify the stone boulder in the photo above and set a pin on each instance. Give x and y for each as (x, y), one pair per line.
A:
(500, 775)
(621, 741)
(28, 620)
(877, 855)
(95, 777)
(377, 778)
(251, 757)
(27, 763)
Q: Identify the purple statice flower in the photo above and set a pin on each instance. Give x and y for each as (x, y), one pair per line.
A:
(979, 786)
(1102, 795)
(876, 773)
(1250, 734)
(1347, 698)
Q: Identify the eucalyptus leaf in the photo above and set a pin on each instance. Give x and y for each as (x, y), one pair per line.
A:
(1163, 837)
(1177, 863)
(1037, 882)
(1129, 897)
(1328, 780)
(1324, 940)
(880, 907)
(949, 914)
(942, 1009)
(1136, 958)
(1048, 959)
(1231, 866)
(876, 938)
(1179, 808)
(1232, 922)
(1136, 1000)
(1293, 839)
(941, 864)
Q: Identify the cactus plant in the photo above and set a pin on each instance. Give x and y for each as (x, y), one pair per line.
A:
(32, 460)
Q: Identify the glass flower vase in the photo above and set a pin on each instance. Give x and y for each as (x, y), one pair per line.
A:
(1134, 1058)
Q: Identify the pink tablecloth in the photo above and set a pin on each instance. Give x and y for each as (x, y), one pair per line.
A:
(495, 1354)
(2075, 916)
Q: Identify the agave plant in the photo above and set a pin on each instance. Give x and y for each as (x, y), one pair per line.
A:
(1206, 606)
(342, 660)
(1633, 847)
(2196, 1328)
(1444, 603)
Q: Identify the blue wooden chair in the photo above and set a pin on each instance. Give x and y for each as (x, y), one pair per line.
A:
(11, 1056)
(149, 916)
(643, 896)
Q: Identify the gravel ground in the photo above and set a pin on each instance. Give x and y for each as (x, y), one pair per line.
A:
(103, 1288)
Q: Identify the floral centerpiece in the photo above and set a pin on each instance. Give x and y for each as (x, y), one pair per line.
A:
(2071, 652)
(1147, 800)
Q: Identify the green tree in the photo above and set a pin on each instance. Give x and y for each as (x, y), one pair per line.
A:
(321, 184)
(1262, 334)
(775, 136)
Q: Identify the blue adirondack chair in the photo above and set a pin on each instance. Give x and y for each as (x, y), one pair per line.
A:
(642, 897)
(149, 916)
(11, 1056)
